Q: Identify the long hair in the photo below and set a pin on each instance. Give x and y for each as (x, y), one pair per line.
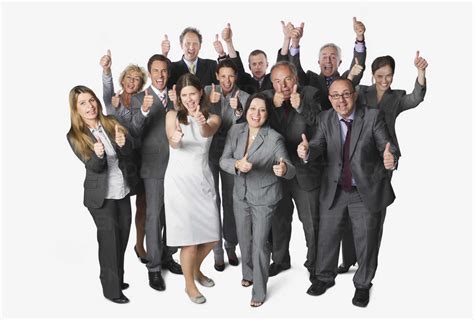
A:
(186, 80)
(79, 134)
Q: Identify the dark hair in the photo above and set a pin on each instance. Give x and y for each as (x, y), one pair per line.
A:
(192, 30)
(256, 52)
(186, 80)
(383, 61)
(351, 84)
(227, 63)
(159, 57)
(266, 99)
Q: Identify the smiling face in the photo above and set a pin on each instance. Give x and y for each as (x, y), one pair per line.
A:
(131, 82)
(159, 74)
(190, 98)
(226, 77)
(257, 113)
(283, 79)
(190, 46)
(328, 61)
(87, 107)
(258, 65)
(343, 105)
(383, 78)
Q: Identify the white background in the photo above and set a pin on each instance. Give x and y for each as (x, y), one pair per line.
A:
(49, 249)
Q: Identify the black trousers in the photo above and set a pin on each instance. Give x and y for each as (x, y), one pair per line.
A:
(113, 221)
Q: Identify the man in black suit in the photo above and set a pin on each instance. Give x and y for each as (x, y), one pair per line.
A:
(190, 41)
(355, 186)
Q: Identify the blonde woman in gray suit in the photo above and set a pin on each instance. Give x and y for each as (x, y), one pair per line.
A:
(255, 154)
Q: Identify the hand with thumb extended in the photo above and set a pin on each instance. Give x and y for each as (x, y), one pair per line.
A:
(178, 133)
(303, 147)
(119, 136)
(355, 70)
(116, 99)
(280, 168)
(295, 97)
(147, 101)
(214, 96)
(278, 98)
(388, 158)
(243, 165)
(165, 46)
(234, 101)
(99, 148)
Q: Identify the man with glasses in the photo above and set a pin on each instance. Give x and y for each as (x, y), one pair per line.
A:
(356, 186)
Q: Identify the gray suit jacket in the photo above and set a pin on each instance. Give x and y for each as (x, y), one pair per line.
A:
(152, 132)
(368, 139)
(392, 104)
(259, 186)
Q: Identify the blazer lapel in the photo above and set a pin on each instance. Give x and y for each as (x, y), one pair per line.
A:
(241, 142)
(356, 128)
(336, 139)
(258, 140)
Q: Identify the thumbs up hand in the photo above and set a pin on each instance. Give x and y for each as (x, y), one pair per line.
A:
(227, 33)
(303, 147)
(172, 95)
(106, 62)
(214, 96)
(243, 165)
(165, 46)
(295, 98)
(116, 99)
(355, 70)
(388, 158)
(280, 168)
(99, 148)
(178, 133)
(420, 63)
(147, 101)
(218, 46)
(278, 98)
(199, 117)
(359, 29)
(234, 101)
(119, 136)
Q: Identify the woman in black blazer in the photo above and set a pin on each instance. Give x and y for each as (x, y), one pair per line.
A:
(100, 142)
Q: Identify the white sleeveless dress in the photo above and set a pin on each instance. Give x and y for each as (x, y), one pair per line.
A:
(190, 199)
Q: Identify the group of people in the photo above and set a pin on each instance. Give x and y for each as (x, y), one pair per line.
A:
(319, 141)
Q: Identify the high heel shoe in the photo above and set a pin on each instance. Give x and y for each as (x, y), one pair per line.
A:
(142, 260)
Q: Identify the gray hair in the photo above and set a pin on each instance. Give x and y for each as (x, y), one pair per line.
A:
(287, 64)
(331, 45)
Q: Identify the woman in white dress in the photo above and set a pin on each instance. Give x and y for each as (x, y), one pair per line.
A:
(192, 217)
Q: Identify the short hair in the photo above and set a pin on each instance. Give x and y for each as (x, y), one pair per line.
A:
(351, 84)
(265, 98)
(331, 45)
(159, 57)
(192, 30)
(383, 61)
(227, 63)
(256, 52)
(287, 64)
(135, 68)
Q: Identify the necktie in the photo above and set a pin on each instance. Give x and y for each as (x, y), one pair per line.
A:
(164, 101)
(328, 81)
(346, 182)
(192, 68)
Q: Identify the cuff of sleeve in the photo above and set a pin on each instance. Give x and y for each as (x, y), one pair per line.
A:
(145, 114)
(359, 47)
(294, 51)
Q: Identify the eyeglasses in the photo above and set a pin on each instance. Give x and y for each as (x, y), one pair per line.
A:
(345, 95)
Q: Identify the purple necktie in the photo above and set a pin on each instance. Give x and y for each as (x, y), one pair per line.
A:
(346, 166)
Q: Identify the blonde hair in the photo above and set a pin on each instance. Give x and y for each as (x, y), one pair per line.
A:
(78, 134)
(135, 68)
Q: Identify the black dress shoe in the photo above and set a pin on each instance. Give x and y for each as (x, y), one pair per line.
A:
(156, 280)
(361, 298)
(122, 299)
(219, 266)
(124, 286)
(233, 260)
(276, 269)
(344, 268)
(319, 287)
(142, 260)
(172, 266)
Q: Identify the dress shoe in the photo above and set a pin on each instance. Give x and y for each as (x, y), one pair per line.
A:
(124, 286)
(233, 260)
(276, 269)
(219, 265)
(319, 287)
(361, 298)
(142, 260)
(122, 299)
(206, 282)
(343, 268)
(246, 283)
(156, 280)
(200, 299)
(172, 266)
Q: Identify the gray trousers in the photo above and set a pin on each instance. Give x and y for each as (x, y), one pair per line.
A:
(348, 208)
(227, 227)
(307, 204)
(157, 251)
(253, 228)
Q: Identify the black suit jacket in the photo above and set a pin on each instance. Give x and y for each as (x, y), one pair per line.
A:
(369, 136)
(246, 82)
(95, 183)
(205, 71)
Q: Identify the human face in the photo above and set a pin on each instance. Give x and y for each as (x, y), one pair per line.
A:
(328, 61)
(343, 106)
(258, 65)
(257, 113)
(190, 46)
(87, 107)
(159, 74)
(226, 77)
(383, 78)
(283, 80)
(131, 82)
(190, 97)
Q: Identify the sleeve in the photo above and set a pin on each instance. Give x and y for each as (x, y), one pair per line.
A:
(137, 122)
(317, 144)
(409, 101)
(243, 77)
(311, 106)
(361, 57)
(281, 152)
(303, 78)
(94, 164)
(382, 137)
(227, 161)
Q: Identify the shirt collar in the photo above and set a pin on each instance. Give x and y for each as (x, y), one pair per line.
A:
(350, 117)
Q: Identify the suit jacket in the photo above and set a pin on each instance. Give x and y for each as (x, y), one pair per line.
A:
(247, 82)
(292, 126)
(369, 136)
(313, 79)
(205, 71)
(95, 183)
(259, 186)
(151, 130)
(393, 103)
